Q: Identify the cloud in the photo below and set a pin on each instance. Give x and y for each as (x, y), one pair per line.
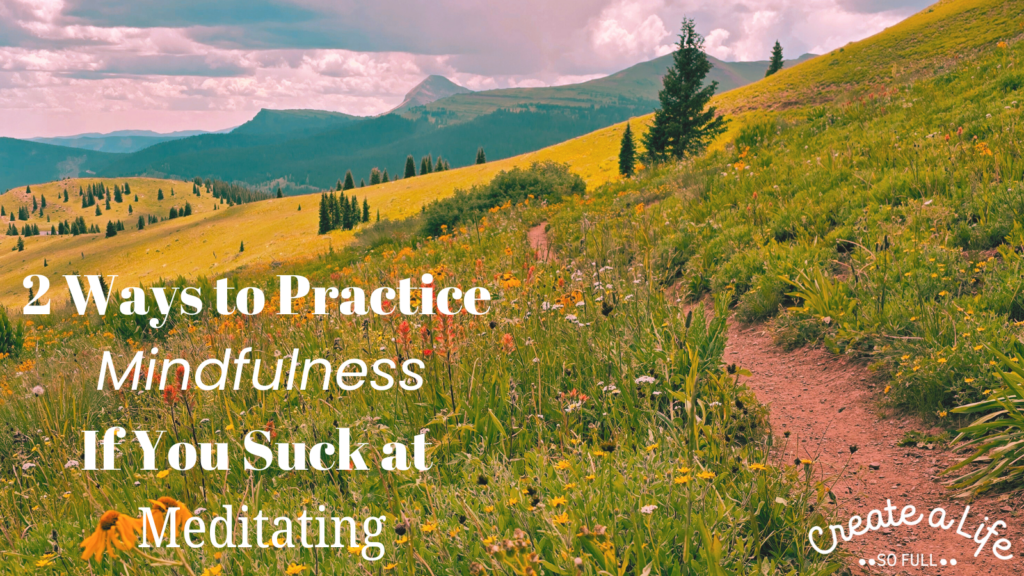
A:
(158, 64)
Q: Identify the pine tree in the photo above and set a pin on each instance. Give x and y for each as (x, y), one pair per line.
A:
(325, 215)
(279, 193)
(481, 158)
(241, 247)
(685, 123)
(159, 194)
(366, 210)
(410, 166)
(129, 208)
(426, 165)
(350, 182)
(65, 195)
(440, 165)
(188, 209)
(111, 229)
(117, 195)
(776, 63)
(98, 211)
(378, 214)
(142, 223)
(374, 176)
(627, 153)
(384, 177)
(42, 202)
(35, 205)
(108, 202)
(45, 263)
(21, 244)
(362, 183)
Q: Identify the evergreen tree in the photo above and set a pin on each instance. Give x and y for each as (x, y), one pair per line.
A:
(366, 210)
(3, 211)
(627, 153)
(378, 214)
(279, 193)
(685, 123)
(481, 158)
(111, 229)
(426, 165)
(362, 183)
(374, 176)
(21, 244)
(188, 209)
(776, 63)
(42, 202)
(136, 196)
(35, 205)
(410, 166)
(440, 165)
(45, 263)
(142, 223)
(128, 191)
(338, 186)
(325, 215)
(350, 183)
(117, 195)
(241, 247)
(98, 211)
(28, 190)
(129, 208)
(108, 202)
(159, 194)
(65, 195)
(384, 177)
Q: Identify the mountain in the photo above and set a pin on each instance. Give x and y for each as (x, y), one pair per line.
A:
(119, 141)
(23, 162)
(292, 123)
(431, 89)
(308, 150)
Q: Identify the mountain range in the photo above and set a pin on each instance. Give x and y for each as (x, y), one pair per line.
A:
(308, 150)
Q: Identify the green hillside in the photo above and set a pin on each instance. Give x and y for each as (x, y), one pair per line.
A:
(290, 123)
(23, 162)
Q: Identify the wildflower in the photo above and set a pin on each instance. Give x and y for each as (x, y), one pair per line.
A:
(562, 518)
(682, 479)
(652, 447)
(214, 570)
(590, 478)
(806, 462)
(508, 343)
(706, 475)
(513, 501)
(943, 414)
(569, 486)
(508, 280)
(758, 467)
(390, 567)
(887, 389)
(489, 509)
(649, 509)
(46, 560)
(38, 391)
(429, 527)
(968, 380)
(563, 465)
(163, 474)
(354, 550)
(683, 470)
(163, 505)
(294, 568)
(558, 501)
(115, 531)
(942, 360)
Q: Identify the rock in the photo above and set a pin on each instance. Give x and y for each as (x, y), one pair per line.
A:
(875, 466)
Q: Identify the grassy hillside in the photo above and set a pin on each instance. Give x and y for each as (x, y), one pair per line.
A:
(23, 162)
(207, 243)
(278, 123)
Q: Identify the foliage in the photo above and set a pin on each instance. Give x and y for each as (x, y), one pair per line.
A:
(684, 124)
(776, 62)
(627, 153)
(543, 182)
(12, 336)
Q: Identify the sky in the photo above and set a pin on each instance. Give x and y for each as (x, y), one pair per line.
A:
(74, 66)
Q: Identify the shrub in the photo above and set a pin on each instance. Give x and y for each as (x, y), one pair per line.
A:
(12, 336)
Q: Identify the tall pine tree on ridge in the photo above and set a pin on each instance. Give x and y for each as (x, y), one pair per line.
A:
(685, 123)
(776, 63)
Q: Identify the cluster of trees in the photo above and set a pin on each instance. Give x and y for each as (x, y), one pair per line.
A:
(176, 213)
(685, 124)
(26, 230)
(338, 211)
(229, 193)
(113, 228)
(76, 227)
(427, 166)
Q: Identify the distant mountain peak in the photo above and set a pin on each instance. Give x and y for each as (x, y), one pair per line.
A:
(432, 88)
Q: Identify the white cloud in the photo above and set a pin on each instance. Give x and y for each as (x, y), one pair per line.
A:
(630, 28)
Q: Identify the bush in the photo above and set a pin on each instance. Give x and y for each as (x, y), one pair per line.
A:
(546, 181)
(12, 336)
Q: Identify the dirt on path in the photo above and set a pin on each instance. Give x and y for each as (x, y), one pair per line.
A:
(538, 237)
(828, 405)
(825, 409)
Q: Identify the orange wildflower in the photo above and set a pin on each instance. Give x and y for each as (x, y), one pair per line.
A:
(114, 532)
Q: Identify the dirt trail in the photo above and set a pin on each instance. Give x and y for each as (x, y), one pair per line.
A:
(827, 405)
(538, 237)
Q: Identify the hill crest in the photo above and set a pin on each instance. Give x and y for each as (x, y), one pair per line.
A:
(431, 89)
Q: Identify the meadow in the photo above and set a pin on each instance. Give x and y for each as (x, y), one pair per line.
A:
(588, 424)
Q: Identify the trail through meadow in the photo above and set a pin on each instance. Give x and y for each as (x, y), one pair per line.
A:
(828, 405)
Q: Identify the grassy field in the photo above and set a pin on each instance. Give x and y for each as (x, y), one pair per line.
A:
(276, 230)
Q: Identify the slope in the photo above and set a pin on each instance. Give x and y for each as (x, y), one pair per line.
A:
(431, 89)
(289, 123)
(274, 231)
(23, 162)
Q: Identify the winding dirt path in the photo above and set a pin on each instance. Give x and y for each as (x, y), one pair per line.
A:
(828, 405)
